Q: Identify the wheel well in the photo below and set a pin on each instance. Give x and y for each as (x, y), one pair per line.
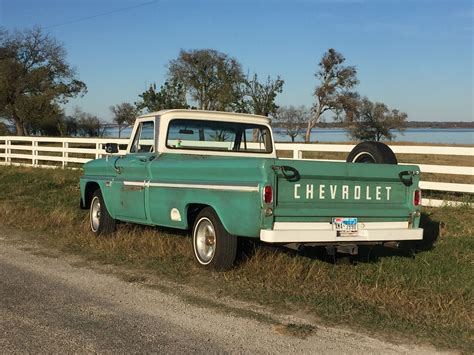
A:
(193, 211)
(90, 189)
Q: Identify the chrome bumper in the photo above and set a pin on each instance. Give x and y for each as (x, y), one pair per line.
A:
(294, 232)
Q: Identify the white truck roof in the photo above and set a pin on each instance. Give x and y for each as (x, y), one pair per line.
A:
(197, 114)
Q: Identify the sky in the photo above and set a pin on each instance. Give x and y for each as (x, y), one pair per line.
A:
(413, 55)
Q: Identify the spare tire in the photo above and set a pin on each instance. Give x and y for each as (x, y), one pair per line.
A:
(372, 153)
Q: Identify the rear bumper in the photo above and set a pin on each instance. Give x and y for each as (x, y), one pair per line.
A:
(284, 232)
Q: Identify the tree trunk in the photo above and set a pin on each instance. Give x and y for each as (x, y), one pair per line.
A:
(20, 129)
(307, 136)
(311, 124)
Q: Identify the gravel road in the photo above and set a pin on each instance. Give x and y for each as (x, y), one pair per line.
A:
(52, 305)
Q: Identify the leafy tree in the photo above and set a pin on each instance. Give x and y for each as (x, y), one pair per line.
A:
(171, 95)
(4, 131)
(211, 78)
(57, 125)
(259, 98)
(374, 121)
(334, 89)
(124, 115)
(292, 120)
(88, 125)
(34, 78)
(68, 126)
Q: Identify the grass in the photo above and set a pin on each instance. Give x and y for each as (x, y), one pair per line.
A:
(425, 297)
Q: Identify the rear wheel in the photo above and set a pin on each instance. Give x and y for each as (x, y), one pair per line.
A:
(100, 220)
(213, 247)
(372, 153)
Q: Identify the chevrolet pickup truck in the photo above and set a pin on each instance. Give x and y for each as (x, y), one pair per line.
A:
(217, 173)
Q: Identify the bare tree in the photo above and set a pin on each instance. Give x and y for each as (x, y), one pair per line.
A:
(292, 120)
(375, 121)
(211, 78)
(124, 115)
(334, 89)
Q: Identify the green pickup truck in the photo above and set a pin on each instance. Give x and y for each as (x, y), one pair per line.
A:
(218, 174)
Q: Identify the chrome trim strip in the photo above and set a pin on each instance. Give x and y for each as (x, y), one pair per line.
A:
(239, 188)
(135, 183)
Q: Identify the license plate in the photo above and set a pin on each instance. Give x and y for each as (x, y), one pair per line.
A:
(345, 225)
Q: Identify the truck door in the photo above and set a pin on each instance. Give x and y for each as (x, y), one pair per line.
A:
(133, 173)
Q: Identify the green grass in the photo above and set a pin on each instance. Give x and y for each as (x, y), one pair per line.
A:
(425, 297)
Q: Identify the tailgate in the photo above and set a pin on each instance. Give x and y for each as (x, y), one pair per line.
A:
(318, 191)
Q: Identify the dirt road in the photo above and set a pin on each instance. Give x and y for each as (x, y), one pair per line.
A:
(52, 305)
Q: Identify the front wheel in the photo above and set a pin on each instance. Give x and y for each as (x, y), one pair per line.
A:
(214, 248)
(372, 153)
(100, 220)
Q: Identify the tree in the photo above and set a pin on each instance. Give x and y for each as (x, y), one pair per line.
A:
(334, 89)
(171, 95)
(88, 125)
(374, 121)
(124, 115)
(211, 78)
(68, 126)
(292, 120)
(4, 131)
(34, 78)
(259, 98)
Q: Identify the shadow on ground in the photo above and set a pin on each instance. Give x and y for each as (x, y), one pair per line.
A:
(366, 254)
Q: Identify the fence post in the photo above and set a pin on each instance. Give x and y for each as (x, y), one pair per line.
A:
(65, 153)
(8, 151)
(297, 154)
(98, 146)
(34, 152)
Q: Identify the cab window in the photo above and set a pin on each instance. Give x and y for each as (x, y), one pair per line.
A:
(218, 136)
(144, 140)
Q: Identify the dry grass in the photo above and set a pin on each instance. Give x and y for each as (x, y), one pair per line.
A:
(424, 297)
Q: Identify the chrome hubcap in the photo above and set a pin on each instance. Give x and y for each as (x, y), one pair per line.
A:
(205, 241)
(95, 214)
(364, 158)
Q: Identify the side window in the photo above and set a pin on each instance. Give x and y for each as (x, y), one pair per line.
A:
(144, 140)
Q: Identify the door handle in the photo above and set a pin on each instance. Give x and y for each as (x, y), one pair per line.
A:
(146, 159)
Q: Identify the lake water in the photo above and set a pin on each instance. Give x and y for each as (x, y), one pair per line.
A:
(418, 135)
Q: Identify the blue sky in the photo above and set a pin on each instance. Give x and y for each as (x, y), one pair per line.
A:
(416, 55)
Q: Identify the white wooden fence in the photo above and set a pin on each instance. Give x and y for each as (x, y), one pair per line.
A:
(71, 152)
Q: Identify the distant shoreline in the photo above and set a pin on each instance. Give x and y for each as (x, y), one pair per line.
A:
(410, 124)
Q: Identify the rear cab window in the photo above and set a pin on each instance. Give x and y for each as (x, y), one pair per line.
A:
(192, 134)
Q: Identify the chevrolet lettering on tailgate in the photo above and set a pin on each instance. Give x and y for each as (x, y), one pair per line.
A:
(218, 175)
(343, 192)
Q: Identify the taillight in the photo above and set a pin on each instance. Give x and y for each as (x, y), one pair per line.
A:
(268, 194)
(417, 198)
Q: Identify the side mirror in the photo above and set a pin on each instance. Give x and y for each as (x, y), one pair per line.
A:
(111, 148)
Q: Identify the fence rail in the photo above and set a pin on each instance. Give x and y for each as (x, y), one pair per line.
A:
(64, 152)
